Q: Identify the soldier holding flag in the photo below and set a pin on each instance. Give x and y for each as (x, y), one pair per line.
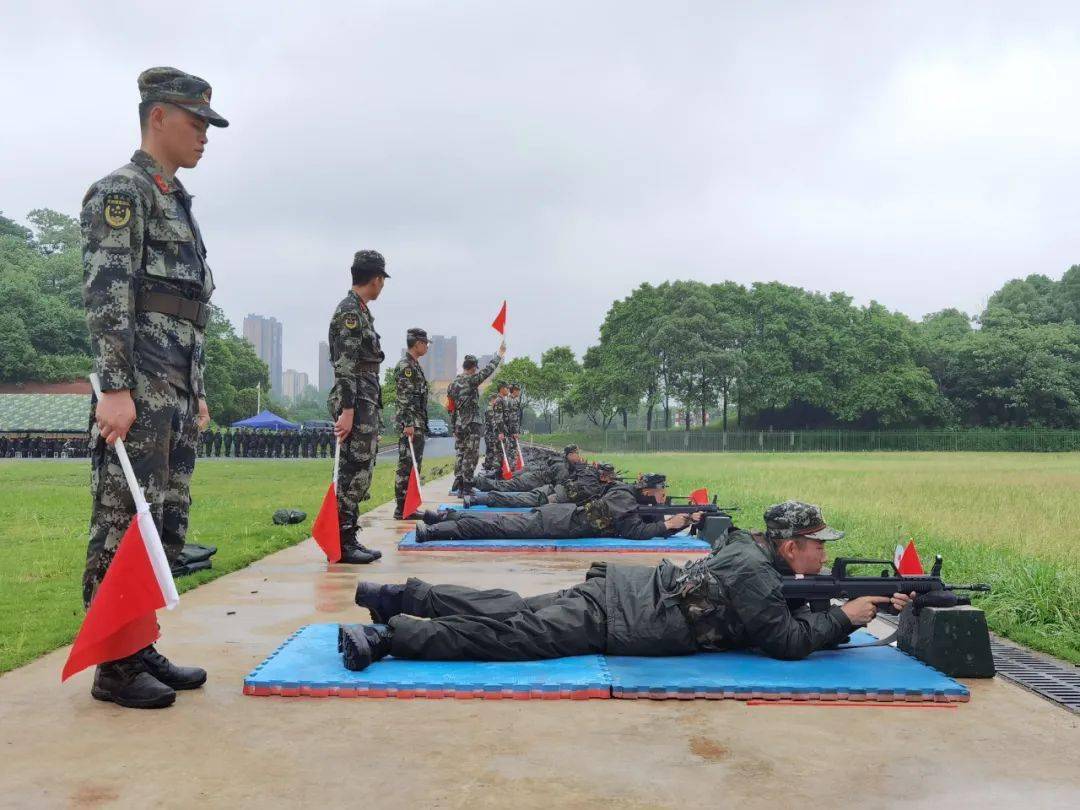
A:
(412, 393)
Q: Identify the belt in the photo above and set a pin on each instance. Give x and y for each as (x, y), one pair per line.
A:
(195, 311)
(367, 367)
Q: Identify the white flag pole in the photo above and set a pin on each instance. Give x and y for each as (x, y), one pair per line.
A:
(151, 539)
(506, 460)
(413, 454)
(337, 461)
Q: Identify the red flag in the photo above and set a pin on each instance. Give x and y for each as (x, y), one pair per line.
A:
(699, 496)
(910, 564)
(412, 494)
(506, 474)
(326, 530)
(519, 464)
(499, 324)
(122, 619)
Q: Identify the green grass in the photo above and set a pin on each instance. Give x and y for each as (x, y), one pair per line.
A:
(1008, 519)
(45, 507)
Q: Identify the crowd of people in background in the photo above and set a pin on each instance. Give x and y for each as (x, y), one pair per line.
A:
(246, 443)
(44, 445)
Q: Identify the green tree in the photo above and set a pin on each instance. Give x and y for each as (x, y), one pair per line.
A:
(54, 232)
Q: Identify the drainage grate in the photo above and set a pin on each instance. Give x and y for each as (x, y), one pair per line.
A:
(1057, 682)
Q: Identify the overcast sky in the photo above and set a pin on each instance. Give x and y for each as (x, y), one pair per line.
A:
(559, 154)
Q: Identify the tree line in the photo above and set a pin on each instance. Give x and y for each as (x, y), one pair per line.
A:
(776, 356)
(764, 356)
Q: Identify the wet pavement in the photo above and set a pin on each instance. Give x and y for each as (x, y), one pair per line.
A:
(217, 747)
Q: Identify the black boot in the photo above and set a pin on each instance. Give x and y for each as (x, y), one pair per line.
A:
(382, 601)
(169, 673)
(431, 517)
(357, 554)
(421, 531)
(127, 683)
(364, 644)
(397, 512)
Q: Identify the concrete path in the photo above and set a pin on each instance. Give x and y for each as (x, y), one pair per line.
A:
(218, 748)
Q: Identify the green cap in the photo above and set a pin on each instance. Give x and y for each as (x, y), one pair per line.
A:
(173, 86)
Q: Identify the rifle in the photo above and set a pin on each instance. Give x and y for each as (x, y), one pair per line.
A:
(930, 590)
(712, 526)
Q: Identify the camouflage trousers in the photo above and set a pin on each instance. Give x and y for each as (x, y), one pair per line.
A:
(492, 454)
(467, 450)
(512, 450)
(404, 465)
(358, 453)
(161, 444)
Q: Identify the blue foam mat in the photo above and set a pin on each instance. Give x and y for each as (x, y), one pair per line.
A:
(876, 673)
(457, 507)
(678, 543)
(308, 664)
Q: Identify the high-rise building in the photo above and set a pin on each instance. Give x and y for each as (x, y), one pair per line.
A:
(293, 383)
(440, 364)
(326, 370)
(264, 333)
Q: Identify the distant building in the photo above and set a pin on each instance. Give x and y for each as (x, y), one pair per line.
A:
(293, 383)
(264, 333)
(441, 361)
(326, 369)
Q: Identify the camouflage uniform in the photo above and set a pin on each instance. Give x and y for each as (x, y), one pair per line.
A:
(356, 353)
(494, 424)
(146, 285)
(412, 394)
(513, 426)
(468, 422)
(731, 599)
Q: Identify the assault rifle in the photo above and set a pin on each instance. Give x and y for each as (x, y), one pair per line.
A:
(929, 589)
(713, 525)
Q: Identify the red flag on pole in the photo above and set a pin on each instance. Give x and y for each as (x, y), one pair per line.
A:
(699, 496)
(506, 474)
(519, 464)
(499, 324)
(326, 530)
(910, 564)
(122, 619)
(412, 494)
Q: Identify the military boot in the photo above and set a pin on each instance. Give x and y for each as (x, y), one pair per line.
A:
(169, 673)
(421, 533)
(382, 601)
(397, 512)
(363, 644)
(352, 551)
(126, 682)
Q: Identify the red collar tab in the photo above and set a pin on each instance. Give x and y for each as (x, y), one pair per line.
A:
(162, 184)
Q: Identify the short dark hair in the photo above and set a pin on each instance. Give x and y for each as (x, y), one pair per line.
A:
(144, 113)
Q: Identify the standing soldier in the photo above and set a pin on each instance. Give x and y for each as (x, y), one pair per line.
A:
(515, 413)
(495, 431)
(146, 288)
(356, 398)
(228, 442)
(464, 392)
(412, 394)
(217, 444)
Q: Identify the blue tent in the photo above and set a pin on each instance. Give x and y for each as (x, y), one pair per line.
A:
(265, 421)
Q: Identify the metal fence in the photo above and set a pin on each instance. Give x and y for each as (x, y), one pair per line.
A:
(825, 441)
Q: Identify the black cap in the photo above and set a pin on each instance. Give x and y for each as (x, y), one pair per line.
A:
(651, 480)
(470, 360)
(172, 86)
(370, 262)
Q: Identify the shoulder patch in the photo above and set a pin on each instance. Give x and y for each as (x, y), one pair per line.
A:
(117, 209)
(408, 372)
(351, 320)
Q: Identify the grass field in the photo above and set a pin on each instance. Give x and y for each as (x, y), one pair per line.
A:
(1008, 519)
(45, 506)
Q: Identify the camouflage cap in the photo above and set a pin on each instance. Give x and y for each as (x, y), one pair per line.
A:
(173, 86)
(470, 360)
(416, 333)
(604, 467)
(501, 384)
(370, 261)
(515, 387)
(797, 519)
(652, 481)
(570, 449)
